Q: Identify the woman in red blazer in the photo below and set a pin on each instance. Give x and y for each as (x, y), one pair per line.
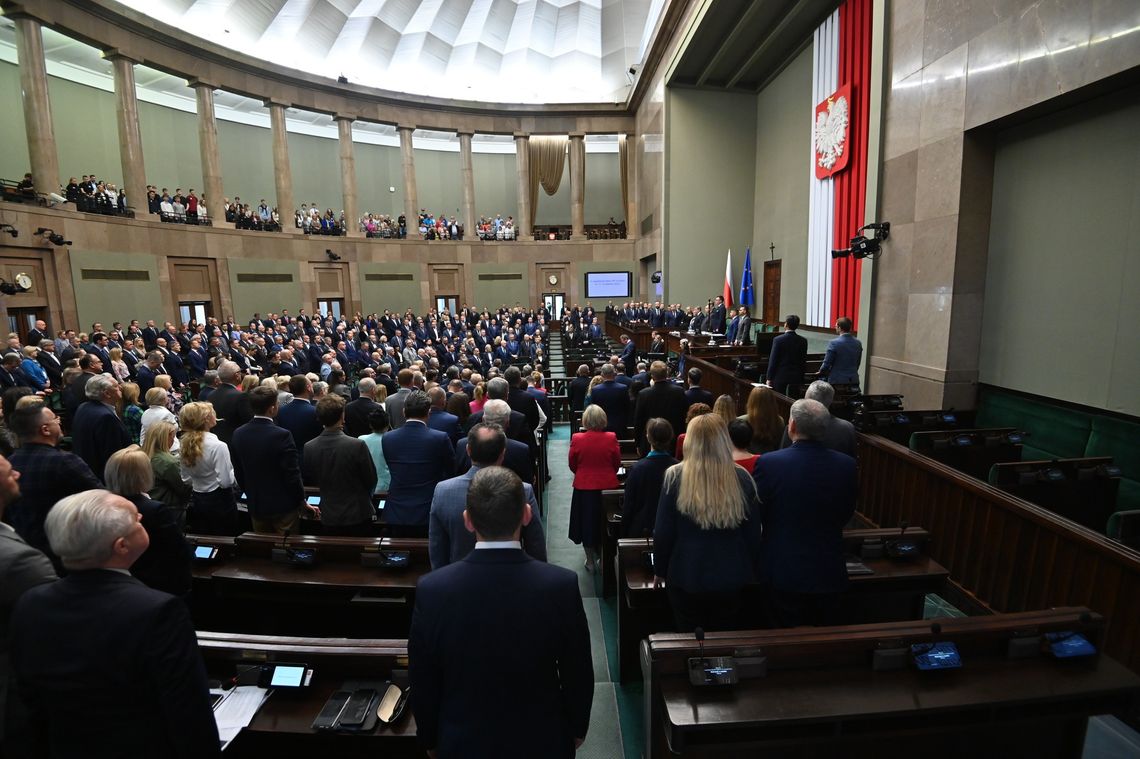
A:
(594, 459)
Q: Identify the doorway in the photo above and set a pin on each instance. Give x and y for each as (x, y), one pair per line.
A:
(447, 304)
(554, 303)
(772, 292)
(331, 306)
(22, 320)
(198, 311)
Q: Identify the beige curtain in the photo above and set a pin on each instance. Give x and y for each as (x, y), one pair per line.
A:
(547, 162)
(623, 169)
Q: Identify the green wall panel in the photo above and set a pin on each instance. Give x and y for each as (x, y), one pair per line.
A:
(86, 133)
(491, 294)
(108, 301)
(265, 297)
(170, 150)
(14, 159)
(496, 184)
(315, 162)
(603, 188)
(378, 169)
(247, 163)
(392, 295)
(439, 185)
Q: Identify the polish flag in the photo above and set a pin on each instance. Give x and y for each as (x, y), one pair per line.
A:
(728, 280)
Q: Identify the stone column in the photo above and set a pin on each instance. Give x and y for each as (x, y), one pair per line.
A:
(37, 105)
(208, 147)
(348, 174)
(577, 186)
(130, 140)
(282, 173)
(522, 163)
(467, 169)
(408, 161)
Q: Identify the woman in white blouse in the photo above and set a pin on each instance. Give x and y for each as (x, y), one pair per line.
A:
(205, 464)
(156, 411)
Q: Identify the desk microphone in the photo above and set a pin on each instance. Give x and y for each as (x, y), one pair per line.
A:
(699, 634)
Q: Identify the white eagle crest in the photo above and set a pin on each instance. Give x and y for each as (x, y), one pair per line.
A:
(830, 132)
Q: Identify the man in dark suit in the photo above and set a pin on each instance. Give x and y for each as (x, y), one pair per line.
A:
(75, 394)
(716, 321)
(661, 399)
(267, 467)
(518, 457)
(108, 666)
(628, 351)
(807, 495)
(448, 539)
(11, 375)
(419, 458)
(21, 567)
(696, 393)
(98, 431)
(38, 333)
(440, 419)
(578, 387)
(230, 404)
(515, 425)
(53, 368)
(343, 469)
(519, 400)
(613, 397)
(150, 335)
(844, 353)
(147, 371)
(788, 360)
(465, 677)
(356, 412)
(299, 416)
(840, 433)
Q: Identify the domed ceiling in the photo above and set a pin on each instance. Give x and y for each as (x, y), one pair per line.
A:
(504, 51)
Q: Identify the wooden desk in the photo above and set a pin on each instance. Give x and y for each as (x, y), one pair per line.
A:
(246, 591)
(282, 727)
(821, 698)
(896, 591)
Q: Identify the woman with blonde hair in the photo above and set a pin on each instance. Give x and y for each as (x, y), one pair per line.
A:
(763, 416)
(119, 369)
(131, 411)
(249, 382)
(165, 564)
(480, 396)
(594, 459)
(706, 542)
(205, 463)
(725, 408)
(159, 442)
(156, 411)
(173, 398)
(594, 382)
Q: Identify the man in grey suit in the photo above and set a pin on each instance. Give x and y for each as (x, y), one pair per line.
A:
(448, 537)
(840, 433)
(394, 404)
(21, 567)
(844, 353)
(341, 466)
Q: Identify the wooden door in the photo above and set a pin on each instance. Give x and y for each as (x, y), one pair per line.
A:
(771, 292)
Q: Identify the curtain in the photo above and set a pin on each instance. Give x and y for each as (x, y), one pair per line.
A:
(623, 170)
(547, 162)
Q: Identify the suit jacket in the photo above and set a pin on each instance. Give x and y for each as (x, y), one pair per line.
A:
(613, 397)
(840, 436)
(47, 475)
(418, 458)
(519, 400)
(52, 367)
(445, 422)
(165, 565)
(699, 560)
(594, 460)
(642, 493)
(577, 392)
(448, 538)
(697, 395)
(300, 418)
(787, 362)
(807, 494)
(356, 416)
(342, 467)
(395, 407)
(841, 362)
(628, 354)
(110, 668)
(232, 409)
(267, 468)
(96, 434)
(517, 459)
(716, 320)
(533, 630)
(22, 567)
(663, 399)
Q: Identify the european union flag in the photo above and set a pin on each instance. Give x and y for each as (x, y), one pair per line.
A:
(746, 297)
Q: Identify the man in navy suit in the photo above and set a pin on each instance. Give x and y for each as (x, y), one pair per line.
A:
(788, 360)
(267, 467)
(628, 351)
(613, 397)
(466, 678)
(807, 495)
(716, 320)
(696, 393)
(419, 458)
(97, 432)
(299, 416)
(108, 666)
(844, 353)
(440, 419)
(230, 404)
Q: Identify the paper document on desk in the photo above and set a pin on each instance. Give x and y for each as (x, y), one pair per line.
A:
(236, 710)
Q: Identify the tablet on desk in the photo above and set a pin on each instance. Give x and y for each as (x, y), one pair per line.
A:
(314, 500)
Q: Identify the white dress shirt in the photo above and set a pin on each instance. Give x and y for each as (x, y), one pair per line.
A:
(214, 470)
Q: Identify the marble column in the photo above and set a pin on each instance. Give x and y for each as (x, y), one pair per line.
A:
(348, 174)
(130, 139)
(522, 164)
(467, 169)
(37, 105)
(208, 148)
(408, 162)
(282, 173)
(577, 186)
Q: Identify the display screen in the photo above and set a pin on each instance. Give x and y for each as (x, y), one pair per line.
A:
(287, 677)
(609, 284)
(314, 500)
(205, 552)
(936, 656)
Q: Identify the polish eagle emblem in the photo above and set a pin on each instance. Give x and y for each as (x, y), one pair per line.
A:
(830, 133)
